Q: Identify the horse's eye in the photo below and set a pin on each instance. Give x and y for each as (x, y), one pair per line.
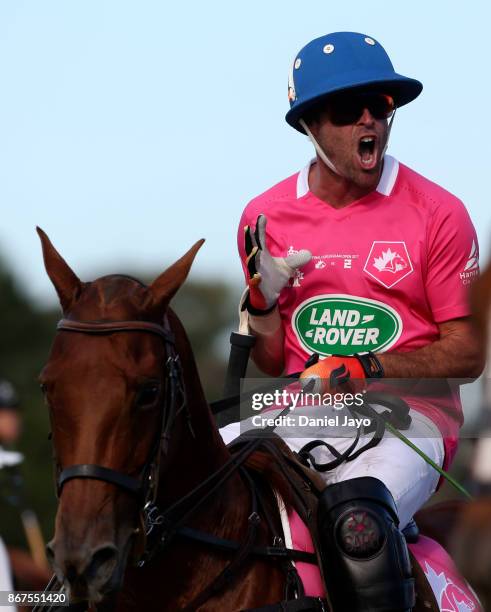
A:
(148, 395)
(43, 388)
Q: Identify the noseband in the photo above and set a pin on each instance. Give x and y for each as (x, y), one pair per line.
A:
(144, 488)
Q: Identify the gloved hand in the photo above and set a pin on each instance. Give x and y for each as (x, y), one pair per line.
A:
(267, 275)
(341, 373)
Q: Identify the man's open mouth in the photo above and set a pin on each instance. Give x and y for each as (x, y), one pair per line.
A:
(368, 151)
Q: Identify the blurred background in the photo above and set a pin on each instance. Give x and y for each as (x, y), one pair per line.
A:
(128, 130)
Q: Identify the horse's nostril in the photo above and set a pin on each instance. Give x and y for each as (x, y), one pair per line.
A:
(71, 574)
(103, 561)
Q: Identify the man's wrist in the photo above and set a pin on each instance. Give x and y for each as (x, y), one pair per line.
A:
(257, 312)
(371, 365)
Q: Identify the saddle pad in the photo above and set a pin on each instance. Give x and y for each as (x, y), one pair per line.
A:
(302, 540)
(297, 536)
(452, 592)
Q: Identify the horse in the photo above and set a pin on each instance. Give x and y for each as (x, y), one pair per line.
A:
(132, 433)
(155, 512)
(471, 538)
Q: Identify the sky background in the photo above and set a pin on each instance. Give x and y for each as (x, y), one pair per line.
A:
(128, 130)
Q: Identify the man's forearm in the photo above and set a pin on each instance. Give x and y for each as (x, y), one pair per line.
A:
(268, 350)
(457, 354)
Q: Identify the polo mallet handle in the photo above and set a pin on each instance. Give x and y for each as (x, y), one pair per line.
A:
(240, 348)
(34, 537)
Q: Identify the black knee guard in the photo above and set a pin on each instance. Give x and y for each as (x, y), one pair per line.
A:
(365, 557)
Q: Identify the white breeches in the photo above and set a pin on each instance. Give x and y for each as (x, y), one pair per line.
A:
(408, 477)
(5, 576)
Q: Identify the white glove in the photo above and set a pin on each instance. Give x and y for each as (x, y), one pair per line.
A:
(268, 275)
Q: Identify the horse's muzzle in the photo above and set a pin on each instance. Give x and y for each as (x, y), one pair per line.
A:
(88, 574)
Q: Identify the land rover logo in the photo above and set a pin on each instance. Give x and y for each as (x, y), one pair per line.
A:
(345, 324)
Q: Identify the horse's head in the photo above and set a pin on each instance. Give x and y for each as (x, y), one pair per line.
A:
(107, 389)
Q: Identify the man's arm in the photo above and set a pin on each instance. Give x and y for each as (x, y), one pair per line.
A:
(267, 353)
(458, 353)
(266, 276)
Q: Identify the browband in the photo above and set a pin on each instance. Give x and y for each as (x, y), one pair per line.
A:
(108, 327)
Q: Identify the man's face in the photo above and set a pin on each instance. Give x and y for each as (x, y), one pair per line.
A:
(10, 426)
(352, 129)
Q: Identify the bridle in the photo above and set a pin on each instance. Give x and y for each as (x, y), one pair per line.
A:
(145, 486)
(160, 528)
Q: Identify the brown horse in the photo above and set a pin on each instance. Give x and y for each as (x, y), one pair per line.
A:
(472, 536)
(137, 452)
(130, 426)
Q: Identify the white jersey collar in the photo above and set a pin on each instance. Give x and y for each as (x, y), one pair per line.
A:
(384, 187)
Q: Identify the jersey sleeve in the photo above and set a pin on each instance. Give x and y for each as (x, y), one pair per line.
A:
(452, 261)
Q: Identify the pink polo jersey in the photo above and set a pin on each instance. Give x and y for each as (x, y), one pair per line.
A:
(386, 269)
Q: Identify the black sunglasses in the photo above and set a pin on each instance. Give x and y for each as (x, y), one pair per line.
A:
(347, 109)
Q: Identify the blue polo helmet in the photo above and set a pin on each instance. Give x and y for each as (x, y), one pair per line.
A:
(343, 61)
(8, 395)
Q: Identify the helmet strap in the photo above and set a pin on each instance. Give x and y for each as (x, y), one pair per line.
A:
(319, 149)
(388, 130)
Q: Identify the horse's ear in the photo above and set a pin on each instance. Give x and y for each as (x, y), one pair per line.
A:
(67, 284)
(166, 285)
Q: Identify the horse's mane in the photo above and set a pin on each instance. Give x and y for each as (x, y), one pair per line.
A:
(266, 465)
